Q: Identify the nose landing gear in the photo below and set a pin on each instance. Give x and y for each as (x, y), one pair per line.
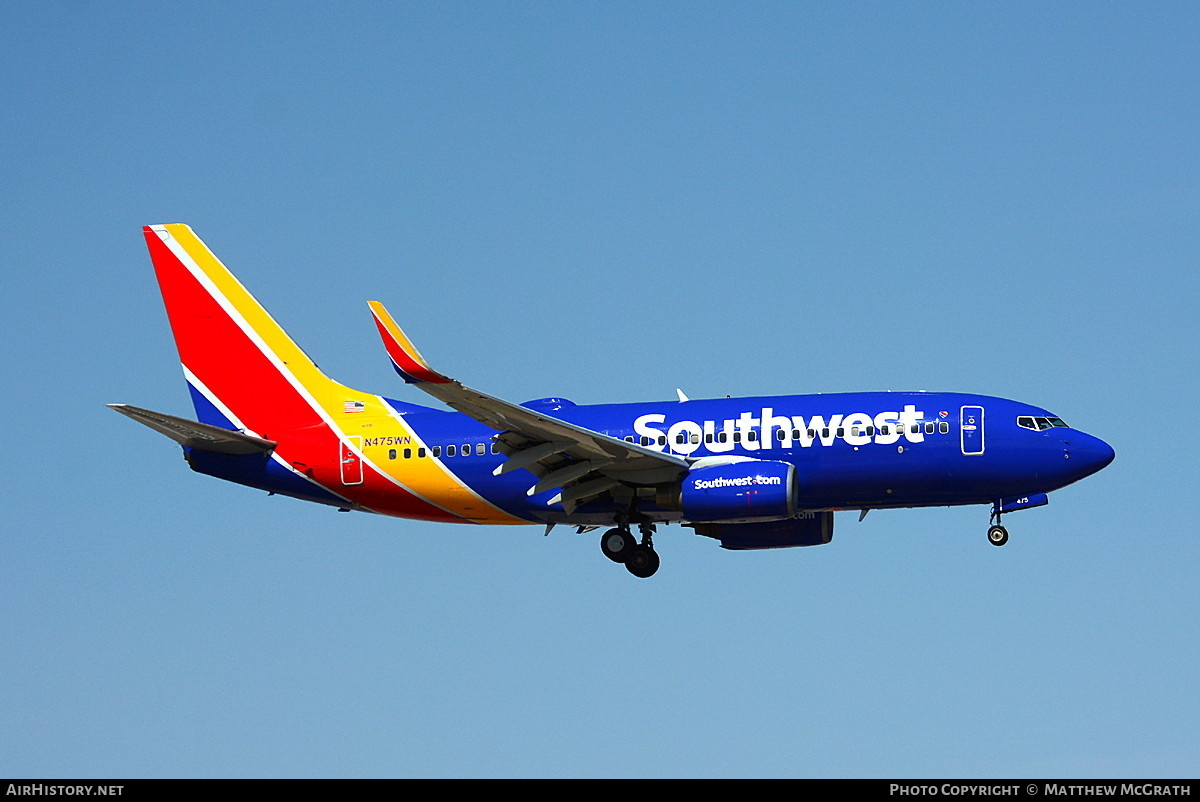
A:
(997, 535)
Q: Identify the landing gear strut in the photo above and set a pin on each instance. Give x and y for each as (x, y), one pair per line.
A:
(997, 535)
(619, 545)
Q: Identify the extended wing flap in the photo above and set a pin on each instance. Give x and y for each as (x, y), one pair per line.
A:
(613, 458)
(191, 434)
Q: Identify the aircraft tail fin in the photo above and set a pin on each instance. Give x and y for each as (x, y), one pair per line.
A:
(243, 369)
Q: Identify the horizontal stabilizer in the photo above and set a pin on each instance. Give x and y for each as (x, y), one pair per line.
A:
(191, 434)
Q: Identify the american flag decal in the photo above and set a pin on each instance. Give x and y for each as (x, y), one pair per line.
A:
(354, 406)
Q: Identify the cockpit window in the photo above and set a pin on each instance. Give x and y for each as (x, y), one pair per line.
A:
(1040, 424)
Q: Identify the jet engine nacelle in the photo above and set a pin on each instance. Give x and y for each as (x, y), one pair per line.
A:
(749, 490)
(809, 529)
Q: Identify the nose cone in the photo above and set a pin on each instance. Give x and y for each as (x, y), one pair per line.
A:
(1087, 454)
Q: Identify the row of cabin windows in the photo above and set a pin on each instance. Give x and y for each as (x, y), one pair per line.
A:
(781, 435)
(452, 450)
(941, 427)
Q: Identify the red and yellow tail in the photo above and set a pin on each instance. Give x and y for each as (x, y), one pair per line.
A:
(246, 373)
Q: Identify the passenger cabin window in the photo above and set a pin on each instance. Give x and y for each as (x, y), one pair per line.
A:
(437, 451)
(929, 428)
(452, 451)
(480, 449)
(943, 427)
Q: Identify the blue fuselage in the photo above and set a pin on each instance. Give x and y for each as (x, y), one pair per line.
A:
(851, 450)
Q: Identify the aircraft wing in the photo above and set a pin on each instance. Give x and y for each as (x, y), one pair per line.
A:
(581, 461)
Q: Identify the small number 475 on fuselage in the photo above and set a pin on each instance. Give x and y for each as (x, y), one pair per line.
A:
(754, 473)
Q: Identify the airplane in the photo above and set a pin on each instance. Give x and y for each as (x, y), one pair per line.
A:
(761, 472)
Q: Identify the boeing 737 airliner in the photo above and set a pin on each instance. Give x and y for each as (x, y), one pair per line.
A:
(753, 473)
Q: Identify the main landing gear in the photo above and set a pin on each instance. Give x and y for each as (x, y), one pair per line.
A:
(620, 546)
(997, 534)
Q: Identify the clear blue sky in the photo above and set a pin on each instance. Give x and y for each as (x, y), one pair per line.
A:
(603, 201)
